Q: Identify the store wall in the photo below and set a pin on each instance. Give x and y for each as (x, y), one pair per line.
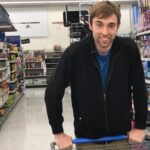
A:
(58, 34)
(126, 19)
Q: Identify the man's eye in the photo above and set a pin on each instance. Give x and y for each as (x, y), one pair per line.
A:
(112, 26)
(99, 25)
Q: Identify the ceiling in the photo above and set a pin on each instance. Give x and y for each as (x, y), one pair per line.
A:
(46, 2)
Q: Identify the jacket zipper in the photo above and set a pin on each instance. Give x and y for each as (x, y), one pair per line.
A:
(106, 120)
(105, 102)
(109, 77)
(104, 93)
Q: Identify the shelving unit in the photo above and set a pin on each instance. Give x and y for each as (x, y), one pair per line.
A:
(35, 70)
(143, 33)
(51, 62)
(11, 78)
(4, 91)
(33, 74)
(9, 107)
(143, 42)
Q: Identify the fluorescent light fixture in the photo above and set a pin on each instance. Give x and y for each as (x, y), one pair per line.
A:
(45, 2)
(5, 26)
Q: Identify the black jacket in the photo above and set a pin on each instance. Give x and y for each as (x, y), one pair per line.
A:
(97, 113)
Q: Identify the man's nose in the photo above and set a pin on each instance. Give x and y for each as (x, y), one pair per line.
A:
(105, 31)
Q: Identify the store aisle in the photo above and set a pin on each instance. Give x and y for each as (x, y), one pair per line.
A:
(27, 128)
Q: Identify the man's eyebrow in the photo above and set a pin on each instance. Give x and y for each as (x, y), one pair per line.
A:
(112, 23)
(99, 21)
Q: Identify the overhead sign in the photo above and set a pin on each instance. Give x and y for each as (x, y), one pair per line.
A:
(25, 41)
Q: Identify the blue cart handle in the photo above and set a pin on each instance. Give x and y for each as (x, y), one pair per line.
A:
(103, 139)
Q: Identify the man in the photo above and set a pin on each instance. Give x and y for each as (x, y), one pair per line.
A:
(105, 74)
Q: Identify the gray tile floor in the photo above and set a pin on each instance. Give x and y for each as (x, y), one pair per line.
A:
(27, 127)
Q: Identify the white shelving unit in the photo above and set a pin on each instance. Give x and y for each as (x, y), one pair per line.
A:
(142, 38)
(10, 81)
(34, 74)
(4, 91)
(143, 33)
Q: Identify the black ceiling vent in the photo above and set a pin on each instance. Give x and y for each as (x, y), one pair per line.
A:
(5, 23)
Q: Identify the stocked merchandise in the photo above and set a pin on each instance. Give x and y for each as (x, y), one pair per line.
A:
(34, 69)
(143, 42)
(11, 77)
(4, 90)
(144, 15)
(39, 66)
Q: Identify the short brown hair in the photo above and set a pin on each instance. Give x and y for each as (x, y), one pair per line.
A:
(104, 9)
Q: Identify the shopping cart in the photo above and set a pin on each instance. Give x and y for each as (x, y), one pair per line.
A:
(112, 144)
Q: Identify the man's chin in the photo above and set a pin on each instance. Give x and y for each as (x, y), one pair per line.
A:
(104, 46)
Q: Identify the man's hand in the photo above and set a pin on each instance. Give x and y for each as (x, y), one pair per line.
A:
(136, 135)
(63, 141)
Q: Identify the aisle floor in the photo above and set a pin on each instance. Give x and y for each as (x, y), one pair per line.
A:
(27, 127)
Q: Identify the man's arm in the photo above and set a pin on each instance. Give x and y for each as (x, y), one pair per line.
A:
(55, 91)
(139, 96)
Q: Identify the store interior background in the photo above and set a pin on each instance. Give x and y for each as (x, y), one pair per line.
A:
(57, 33)
(27, 127)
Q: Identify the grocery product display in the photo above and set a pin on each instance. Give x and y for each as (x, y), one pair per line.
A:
(143, 42)
(11, 78)
(39, 66)
(35, 69)
(4, 90)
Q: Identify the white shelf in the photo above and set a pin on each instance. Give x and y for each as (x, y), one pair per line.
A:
(3, 68)
(3, 59)
(13, 52)
(143, 33)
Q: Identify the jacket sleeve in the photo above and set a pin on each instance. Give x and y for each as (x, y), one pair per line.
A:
(55, 91)
(139, 88)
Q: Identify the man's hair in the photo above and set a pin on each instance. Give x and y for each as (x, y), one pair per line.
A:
(104, 9)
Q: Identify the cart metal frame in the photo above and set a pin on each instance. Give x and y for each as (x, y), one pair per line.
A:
(110, 146)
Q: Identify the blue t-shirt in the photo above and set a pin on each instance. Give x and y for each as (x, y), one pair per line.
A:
(103, 62)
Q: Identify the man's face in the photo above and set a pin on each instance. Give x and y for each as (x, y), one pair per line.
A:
(104, 31)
